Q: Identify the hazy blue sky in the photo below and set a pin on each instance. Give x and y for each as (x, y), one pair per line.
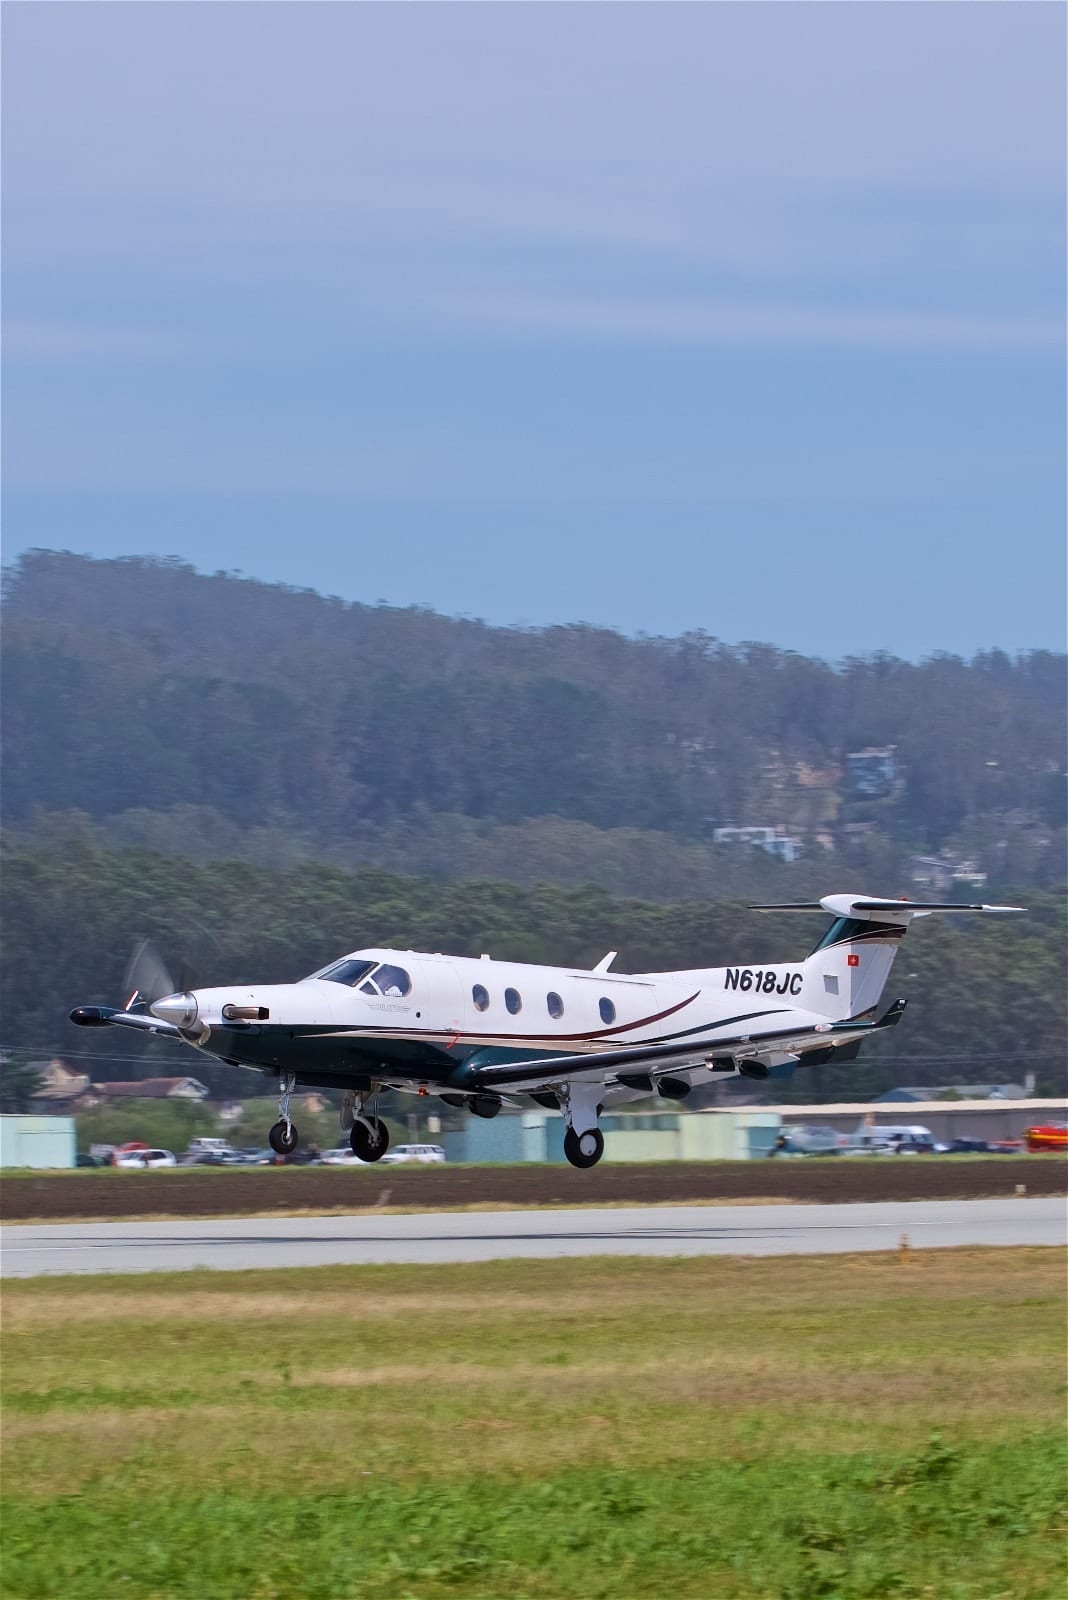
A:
(727, 316)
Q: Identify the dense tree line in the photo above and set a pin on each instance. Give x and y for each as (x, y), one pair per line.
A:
(220, 715)
(987, 998)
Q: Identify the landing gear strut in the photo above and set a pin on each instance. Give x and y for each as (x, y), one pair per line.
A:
(583, 1141)
(283, 1136)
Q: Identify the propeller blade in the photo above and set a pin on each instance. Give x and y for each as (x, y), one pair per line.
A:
(147, 975)
(188, 978)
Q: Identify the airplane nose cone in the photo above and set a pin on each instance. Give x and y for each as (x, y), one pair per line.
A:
(181, 1009)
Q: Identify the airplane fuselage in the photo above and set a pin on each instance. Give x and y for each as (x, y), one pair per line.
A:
(458, 1011)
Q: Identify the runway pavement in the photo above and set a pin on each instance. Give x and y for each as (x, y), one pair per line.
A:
(32, 1250)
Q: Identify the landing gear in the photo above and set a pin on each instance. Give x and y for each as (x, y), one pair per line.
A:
(283, 1136)
(584, 1149)
(580, 1103)
(369, 1140)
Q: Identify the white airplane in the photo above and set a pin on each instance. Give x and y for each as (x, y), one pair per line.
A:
(474, 1031)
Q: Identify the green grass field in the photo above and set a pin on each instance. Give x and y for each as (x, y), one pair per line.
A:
(797, 1428)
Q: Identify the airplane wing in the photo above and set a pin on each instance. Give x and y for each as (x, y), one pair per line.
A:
(105, 1016)
(656, 1059)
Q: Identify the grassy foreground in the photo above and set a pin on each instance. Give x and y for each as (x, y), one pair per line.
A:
(797, 1428)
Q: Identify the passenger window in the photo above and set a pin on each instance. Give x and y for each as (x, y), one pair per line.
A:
(554, 1004)
(607, 1010)
(513, 1000)
(480, 996)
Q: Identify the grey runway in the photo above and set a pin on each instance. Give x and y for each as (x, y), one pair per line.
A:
(231, 1245)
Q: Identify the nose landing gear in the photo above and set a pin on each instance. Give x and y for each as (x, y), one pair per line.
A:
(283, 1136)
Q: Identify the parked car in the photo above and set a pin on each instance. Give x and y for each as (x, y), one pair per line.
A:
(1047, 1136)
(809, 1139)
(980, 1147)
(82, 1160)
(343, 1156)
(903, 1139)
(204, 1145)
(413, 1152)
(146, 1158)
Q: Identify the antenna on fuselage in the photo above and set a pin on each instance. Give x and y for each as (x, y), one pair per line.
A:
(605, 962)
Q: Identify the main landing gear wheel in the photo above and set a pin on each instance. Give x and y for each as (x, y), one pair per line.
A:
(369, 1141)
(283, 1138)
(584, 1149)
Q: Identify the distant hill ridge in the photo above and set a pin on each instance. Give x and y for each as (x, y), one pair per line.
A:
(221, 715)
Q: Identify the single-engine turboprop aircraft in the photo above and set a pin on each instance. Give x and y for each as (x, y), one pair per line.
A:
(473, 1031)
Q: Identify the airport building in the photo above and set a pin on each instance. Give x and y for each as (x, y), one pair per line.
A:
(37, 1142)
(743, 1135)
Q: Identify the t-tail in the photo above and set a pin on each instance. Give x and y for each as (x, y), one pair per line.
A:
(846, 973)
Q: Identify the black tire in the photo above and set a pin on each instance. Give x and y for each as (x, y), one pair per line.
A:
(369, 1141)
(283, 1138)
(584, 1149)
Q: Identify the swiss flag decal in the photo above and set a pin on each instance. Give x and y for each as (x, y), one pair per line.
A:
(852, 961)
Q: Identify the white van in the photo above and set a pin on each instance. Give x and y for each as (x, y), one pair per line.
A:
(413, 1152)
(203, 1146)
(890, 1139)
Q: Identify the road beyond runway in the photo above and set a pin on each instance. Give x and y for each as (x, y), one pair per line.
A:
(441, 1237)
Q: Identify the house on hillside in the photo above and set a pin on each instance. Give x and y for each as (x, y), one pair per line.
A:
(873, 771)
(769, 839)
(58, 1085)
(151, 1089)
(942, 875)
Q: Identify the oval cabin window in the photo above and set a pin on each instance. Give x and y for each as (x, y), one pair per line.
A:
(480, 996)
(513, 1000)
(607, 1010)
(554, 1005)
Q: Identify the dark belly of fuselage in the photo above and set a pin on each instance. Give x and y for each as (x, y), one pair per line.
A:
(322, 1060)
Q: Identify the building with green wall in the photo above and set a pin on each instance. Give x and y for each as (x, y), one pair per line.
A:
(37, 1142)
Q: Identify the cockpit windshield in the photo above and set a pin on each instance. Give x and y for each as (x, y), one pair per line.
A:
(348, 972)
(370, 977)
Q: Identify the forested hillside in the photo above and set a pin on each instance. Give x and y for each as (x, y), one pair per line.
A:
(987, 997)
(219, 717)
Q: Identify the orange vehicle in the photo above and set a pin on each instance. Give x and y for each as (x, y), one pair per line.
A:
(1047, 1136)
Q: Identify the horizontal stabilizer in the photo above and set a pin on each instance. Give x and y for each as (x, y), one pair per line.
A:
(863, 906)
(790, 905)
(926, 906)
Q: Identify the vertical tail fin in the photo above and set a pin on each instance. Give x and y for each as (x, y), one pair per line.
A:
(847, 970)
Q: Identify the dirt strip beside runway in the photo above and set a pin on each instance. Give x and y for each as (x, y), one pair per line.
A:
(210, 1192)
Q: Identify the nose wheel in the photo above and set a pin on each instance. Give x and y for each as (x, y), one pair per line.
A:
(584, 1149)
